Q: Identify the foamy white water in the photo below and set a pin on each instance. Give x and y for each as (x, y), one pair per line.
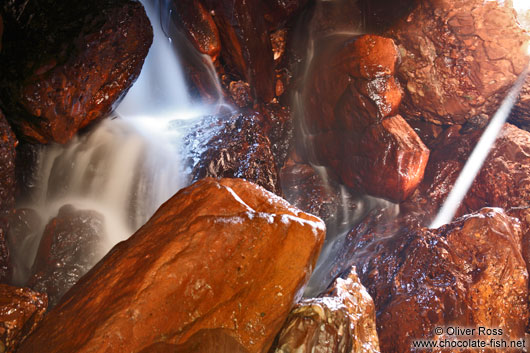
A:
(128, 165)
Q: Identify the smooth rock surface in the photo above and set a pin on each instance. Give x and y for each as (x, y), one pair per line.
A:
(70, 246)
(469, 273)
(341, 321)
(21, 309)
(459, 58)
(68, 63)
(222, 255)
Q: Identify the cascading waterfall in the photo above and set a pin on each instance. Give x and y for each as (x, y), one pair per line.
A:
(129, 164)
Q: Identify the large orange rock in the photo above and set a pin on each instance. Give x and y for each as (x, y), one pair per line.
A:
(459, 58)
(220, 255)
(21, 309)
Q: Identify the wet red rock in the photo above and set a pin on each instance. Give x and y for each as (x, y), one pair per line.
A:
(503, 180)
(69, 247)
(73, 64)
(241, 149)
(247, 50)
(277, 12)
(199, 26)
(21, 309)
(459, 58)
(469, 273)
(343, 320)
(352, 102)
(124, 302)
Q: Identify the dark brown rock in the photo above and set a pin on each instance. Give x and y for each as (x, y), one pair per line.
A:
(21, 309)
(303, 187)
(469, 273)
(8, 144)
(503, 180)
(172, 268)
(1, 31)
(240, 149)
(459, 58)
(247, 51)
(379, 15)
(341, 321)
(68, 63)
(520, 115)
(240, 93)
(277, 12)
(71, 244)
(278, 125)
(198, 25)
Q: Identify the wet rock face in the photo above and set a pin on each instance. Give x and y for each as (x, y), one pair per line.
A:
(341, 321)
(21, 309)
(69, 247)
(66, 64)
(503, 180)
(469, 273)
(240, 150)
(521, 111)
(171, 268)
(305, 189)
(459, 58)
(8, 143)
(352, 104)
(277, 12)
(198, 25)
(247, 50)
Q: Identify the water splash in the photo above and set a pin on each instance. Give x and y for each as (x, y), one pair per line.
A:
(479, 155)
(129, 164)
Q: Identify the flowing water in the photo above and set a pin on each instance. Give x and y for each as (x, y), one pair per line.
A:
(130, 163)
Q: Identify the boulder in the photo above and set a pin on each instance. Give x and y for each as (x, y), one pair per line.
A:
(503, 180)
(21, 309)
(224, 255)
(341, 321)
(468, 273)
(68, 63)
(352, 100)
(197, 24)
(459, 58)
(71, 244)
(241, 149)
(247, 51)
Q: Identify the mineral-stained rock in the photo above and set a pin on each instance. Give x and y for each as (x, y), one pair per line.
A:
(240, 93)
(352, 100)
(240, 150)
(503, 180)
(342, 321)
(21, 309)
(222, 255)
(521, 111)
(459, 58)
(70, 246)
(69, 62)
(247, 50)
(305, 189)
(469, 273)
(278, 125)
(198, 25)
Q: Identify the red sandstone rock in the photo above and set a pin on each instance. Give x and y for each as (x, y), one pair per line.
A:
(247, 50)
(21, 309)
(469, 273)
(341, 321)
(224, 255)
(198, 25)
(502, 182)
(459, 58)
(70, 246)
(73, 62)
